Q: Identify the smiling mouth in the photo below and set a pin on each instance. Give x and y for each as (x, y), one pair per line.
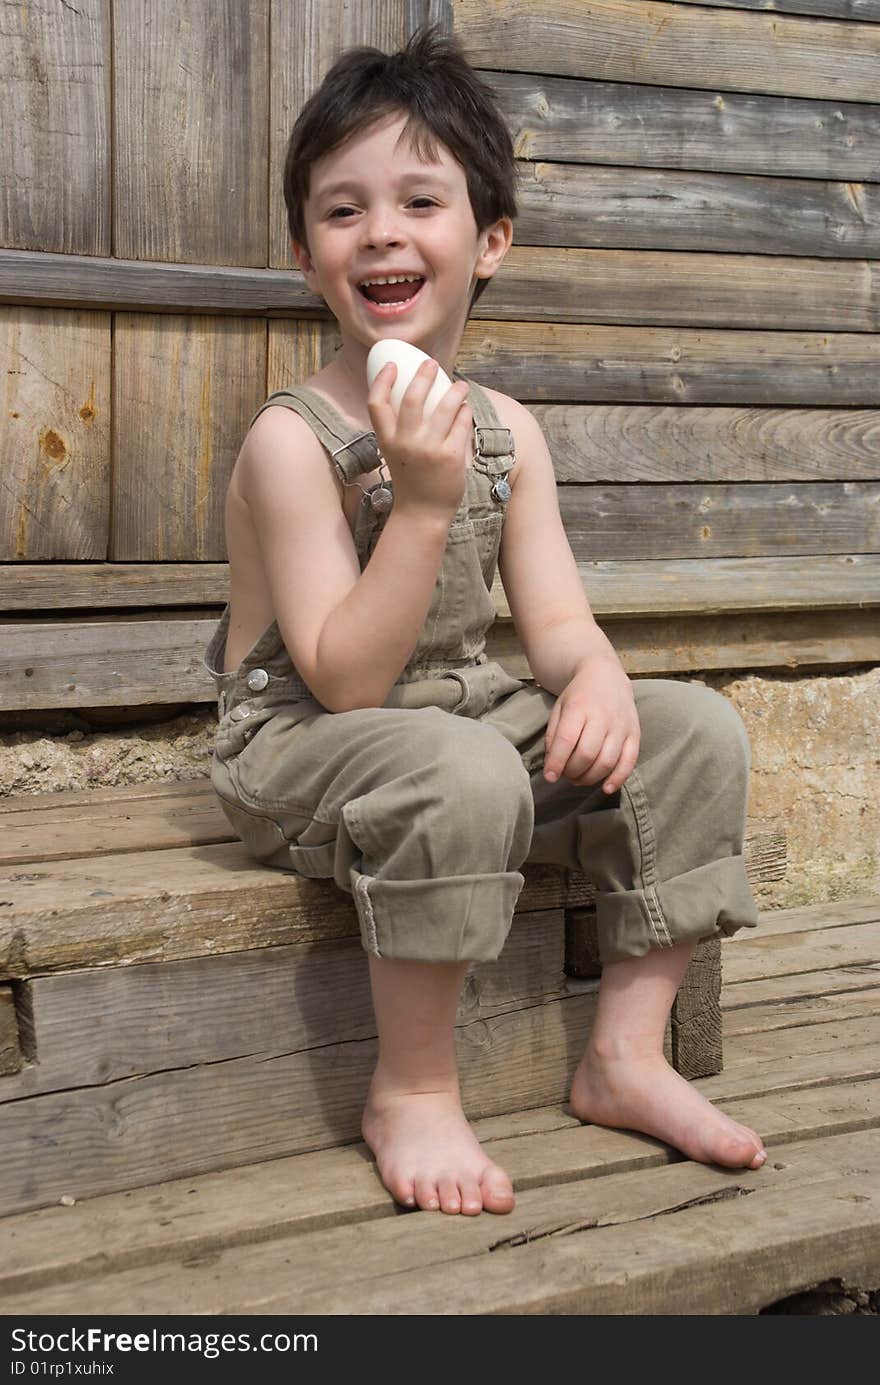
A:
(391, 295)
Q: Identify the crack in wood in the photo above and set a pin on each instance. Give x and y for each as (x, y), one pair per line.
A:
(527, 1237)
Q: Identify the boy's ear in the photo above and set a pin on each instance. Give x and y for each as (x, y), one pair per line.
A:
(301, 256)
(497, 241)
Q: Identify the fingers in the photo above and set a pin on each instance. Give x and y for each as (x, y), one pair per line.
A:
(586, 759)
(379, 401)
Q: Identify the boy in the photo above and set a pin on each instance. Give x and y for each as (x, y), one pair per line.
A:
(382, 748)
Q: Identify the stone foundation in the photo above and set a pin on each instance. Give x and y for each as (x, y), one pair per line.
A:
(815, 742)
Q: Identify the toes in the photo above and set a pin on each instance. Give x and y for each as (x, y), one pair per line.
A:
(426, 1194)
(450, 1197)
(497, 1190)
(471, 1196)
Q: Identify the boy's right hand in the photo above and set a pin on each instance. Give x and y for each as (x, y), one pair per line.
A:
(427, 457)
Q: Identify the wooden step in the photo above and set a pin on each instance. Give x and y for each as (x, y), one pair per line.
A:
(606, 1221)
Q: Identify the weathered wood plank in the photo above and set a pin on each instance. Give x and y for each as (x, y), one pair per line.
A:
(654, 287)
(181, 404)
(721, 521)
(655, 209)
(10, 1049)
(219, 1114)
(673, 46)
(548, 283)
(651, 648)
(658, 442)
(97, 1026)
(838, 913)
(567, 120)
(180, 196)
(156, 906)
(784, 990)
(624, 587)
(782, 954)
(537, 362)
(866, 10)
(54, 436)
(85, 281)
(794, 1012)
(281, 1197)
(54, 180)
(598, 1253)
(137, 662)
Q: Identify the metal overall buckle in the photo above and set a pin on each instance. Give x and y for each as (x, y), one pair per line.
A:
(380, 496)
(500, 491)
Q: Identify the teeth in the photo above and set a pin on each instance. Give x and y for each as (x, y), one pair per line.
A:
(395, 279)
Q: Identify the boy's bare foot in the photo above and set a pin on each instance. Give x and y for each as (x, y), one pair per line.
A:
(428, 1156)
(642, 1092)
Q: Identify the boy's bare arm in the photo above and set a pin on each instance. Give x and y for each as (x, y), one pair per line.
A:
(349, 633)
(547, 601)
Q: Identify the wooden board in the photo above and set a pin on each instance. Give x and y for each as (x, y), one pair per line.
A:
(535, 283)
(181, 195)
(560, 362)
(98, 1026)
(54, 437)
(182, 391)
(183, 1219)
(673, 45)
(574, 120)
(637, 1242)
(575, 204)
(622, 587)
(215, 1115)
(152, 906)
(141, 661)
(56, 124)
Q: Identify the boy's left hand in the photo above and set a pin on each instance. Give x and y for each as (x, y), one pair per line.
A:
(593, 731)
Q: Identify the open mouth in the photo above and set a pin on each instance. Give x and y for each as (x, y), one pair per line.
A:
(391, 298)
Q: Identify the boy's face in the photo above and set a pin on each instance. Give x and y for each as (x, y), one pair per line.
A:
(374, 209)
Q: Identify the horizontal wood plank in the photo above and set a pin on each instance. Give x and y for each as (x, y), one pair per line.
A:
(149, 662)
(573, 120)
(281, 1197)
(780, 1227)
(540, 362)
(616, 587)
(96, 1026)
(646, 286)
(218, 1114)
(673, 45)
(152, 906)
(657, 209)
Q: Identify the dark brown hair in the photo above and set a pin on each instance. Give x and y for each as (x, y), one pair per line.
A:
(431, 80)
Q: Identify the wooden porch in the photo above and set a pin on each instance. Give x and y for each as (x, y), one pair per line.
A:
(606, 1222)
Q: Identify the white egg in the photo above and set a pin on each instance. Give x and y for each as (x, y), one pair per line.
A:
(407, 358)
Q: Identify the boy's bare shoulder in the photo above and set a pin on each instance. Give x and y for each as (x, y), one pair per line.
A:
(511, 413)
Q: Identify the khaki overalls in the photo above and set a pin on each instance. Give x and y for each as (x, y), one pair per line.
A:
(425, 808)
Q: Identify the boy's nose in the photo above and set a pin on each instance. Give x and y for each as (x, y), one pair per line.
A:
(381, 228)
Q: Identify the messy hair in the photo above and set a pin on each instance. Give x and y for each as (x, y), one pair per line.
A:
(431, 79)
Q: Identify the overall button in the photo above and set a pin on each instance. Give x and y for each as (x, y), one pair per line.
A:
(257, 679)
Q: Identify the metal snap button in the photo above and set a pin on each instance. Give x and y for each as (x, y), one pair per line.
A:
(257, 679)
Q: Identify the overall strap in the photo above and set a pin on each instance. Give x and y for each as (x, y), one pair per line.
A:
(494, 448)
(353, 452)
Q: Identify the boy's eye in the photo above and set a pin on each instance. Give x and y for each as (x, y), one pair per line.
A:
(426, 201)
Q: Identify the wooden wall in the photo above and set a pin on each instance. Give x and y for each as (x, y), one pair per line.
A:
(691, 308)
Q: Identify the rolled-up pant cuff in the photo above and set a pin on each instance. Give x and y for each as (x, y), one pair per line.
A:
(457, 918)
(713, 900)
